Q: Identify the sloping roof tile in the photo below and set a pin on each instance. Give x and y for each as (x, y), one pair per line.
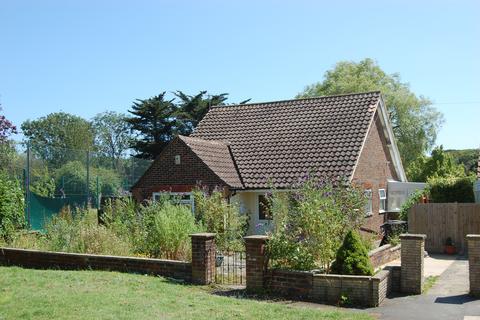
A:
(216, 155)
(276, 143)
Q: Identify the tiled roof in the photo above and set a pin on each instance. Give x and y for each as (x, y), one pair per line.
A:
(279, 142)
(216, 155)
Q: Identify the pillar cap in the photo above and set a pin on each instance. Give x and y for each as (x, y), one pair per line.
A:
(474, 237)
(205, 235)
(413, 236)
(259, 238)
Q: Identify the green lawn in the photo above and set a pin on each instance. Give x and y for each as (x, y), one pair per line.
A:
(51, 294)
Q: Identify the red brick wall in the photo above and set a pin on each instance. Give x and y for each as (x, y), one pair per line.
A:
(375, 166)
(165, 175)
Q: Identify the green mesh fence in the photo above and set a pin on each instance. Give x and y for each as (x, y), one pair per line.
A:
(56, 177)
(43, 209)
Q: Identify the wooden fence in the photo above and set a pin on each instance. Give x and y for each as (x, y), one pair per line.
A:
(442, 220)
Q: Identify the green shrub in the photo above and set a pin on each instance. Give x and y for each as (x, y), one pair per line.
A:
(79, 232)
(310, 222)
(413, 199)
(12, 206)
(352, 257)
(451, 189)
(222, 218)
(168, 228)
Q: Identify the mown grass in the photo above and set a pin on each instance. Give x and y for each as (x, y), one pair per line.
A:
(55, 294)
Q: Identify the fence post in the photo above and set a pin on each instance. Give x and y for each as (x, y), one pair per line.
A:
(473, 243)
(203, 258)
(255, 261)
(412, 256)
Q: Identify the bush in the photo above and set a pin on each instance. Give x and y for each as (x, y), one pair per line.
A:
(79, 232)
(451, 189)
(352, 257)
(413, 199)
(222, 218)
(12, 206)
(310, 222)
(167, 230)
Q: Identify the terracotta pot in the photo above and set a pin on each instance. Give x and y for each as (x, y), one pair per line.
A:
(450, 250)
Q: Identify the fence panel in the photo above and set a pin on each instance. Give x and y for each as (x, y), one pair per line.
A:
(440, 221)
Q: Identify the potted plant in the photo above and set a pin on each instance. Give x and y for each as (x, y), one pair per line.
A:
(450, 246)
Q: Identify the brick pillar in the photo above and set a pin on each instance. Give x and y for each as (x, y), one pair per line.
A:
(203, 258)
(413, 250)
(255, 261)
(473, 243)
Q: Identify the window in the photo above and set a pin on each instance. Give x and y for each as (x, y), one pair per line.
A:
(368, 206)
(264, 208)
(177, 159)
(382, 195)
(184, 198)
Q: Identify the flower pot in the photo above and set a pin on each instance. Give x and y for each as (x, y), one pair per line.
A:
(450, 250)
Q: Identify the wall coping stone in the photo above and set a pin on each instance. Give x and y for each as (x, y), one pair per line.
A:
(88, 255)
(413, 236)
(205, 235)
(379, 276)
(259, 238)
(379, 249)
(473, 237)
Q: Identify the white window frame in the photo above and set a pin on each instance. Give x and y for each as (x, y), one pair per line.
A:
(189, 202)
(369, 205)
(382, 203)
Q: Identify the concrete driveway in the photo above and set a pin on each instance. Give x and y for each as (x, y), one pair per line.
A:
(448, 299)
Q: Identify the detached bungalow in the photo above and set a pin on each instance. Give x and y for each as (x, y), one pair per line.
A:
(246, 149)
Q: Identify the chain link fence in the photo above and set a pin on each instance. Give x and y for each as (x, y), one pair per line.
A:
(54, 178)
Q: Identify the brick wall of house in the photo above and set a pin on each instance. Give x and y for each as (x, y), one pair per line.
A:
(375, 166)
(165, 175)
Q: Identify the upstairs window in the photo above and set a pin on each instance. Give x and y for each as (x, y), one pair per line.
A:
(264, 208)
(382, 195)
(368, 206)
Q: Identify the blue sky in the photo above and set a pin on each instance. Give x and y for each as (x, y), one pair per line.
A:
(86, 57)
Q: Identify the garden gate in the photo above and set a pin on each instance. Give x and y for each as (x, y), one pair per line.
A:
(230, 267)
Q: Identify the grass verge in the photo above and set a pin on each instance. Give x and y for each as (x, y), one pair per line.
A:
(429, 282)
(55, 294)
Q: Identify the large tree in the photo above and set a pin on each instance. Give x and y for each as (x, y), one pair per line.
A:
(157, 120)
(59, 137)
(112, 135)
(415, 122)
(440, 164)
(154, 121)
(6, 127)
(192, 109)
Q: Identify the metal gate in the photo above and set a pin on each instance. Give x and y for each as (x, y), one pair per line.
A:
(230, 267)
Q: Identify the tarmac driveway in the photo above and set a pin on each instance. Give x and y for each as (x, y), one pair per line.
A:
(448, 299)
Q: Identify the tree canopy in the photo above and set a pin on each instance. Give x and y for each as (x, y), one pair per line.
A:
(154, 119)
(415, 122)
(112, 135)
(6, 127)
(157, 120)
(59, 137)
(439, 165)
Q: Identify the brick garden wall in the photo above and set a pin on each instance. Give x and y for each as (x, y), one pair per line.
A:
(329, 288)
(76, 261)
(384, 254)
(201, 270)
